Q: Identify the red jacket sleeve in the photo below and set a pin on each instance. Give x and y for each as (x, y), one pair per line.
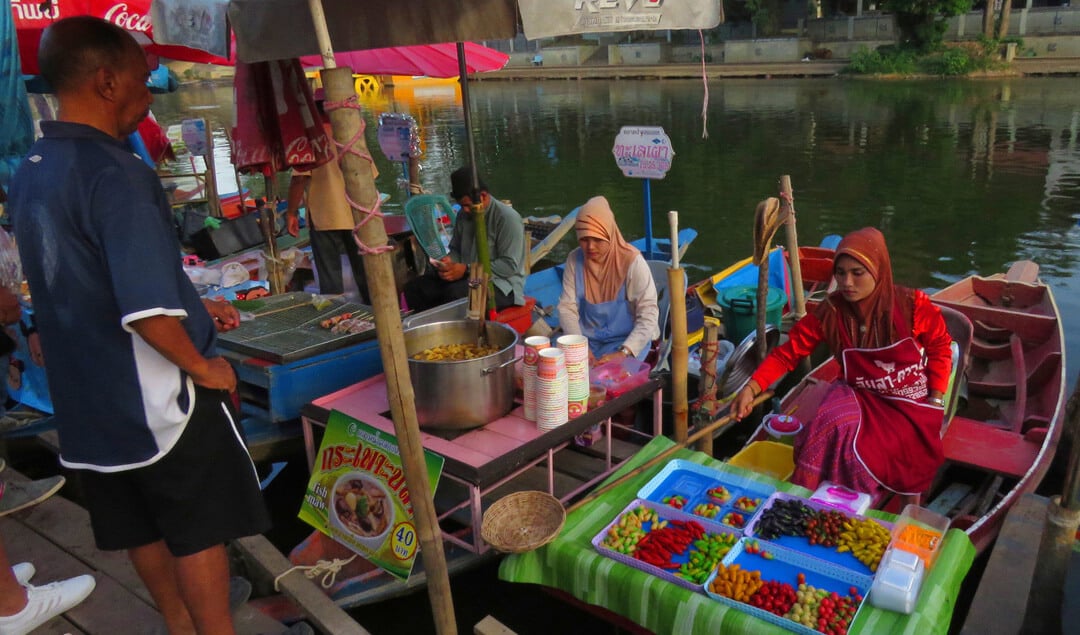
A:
(930, 332)
(803, 338)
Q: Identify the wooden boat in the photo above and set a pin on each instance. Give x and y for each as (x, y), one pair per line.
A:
(1005, 404)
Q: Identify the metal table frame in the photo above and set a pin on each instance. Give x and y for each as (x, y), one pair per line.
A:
(481, 480)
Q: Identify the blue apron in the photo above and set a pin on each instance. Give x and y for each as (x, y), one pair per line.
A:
(606, 324)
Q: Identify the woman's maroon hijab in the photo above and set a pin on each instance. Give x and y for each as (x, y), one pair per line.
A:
(871, 322)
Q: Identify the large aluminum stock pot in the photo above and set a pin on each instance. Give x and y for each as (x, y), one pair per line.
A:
(462, 394)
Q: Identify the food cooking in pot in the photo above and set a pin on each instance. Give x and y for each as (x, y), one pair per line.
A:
(454, 353)
(362, 507)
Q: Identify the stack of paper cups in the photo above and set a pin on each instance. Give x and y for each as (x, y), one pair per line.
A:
(551, 410)
(533, 346)
(576, 350)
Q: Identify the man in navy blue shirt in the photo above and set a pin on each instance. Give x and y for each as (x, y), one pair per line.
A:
(141, 397)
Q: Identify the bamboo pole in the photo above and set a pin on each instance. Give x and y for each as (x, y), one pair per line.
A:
(414, 175)
(679, 353)
(707, 385)
(379, 271)
(762, 305)
(210, 184)
(707, 430)
(787, 200)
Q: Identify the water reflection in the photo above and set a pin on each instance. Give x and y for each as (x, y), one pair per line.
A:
(963, 176)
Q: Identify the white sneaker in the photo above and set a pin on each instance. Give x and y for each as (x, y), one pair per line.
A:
(46, 602)
(23, 572)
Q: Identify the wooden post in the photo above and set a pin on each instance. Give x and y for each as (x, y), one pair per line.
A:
(707, 385)
(414, 175)
(679, 353)
(210, 185)
(762, 305)
(787, 210)
(379, 271)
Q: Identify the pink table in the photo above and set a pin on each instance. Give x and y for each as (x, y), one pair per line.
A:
(483, 458)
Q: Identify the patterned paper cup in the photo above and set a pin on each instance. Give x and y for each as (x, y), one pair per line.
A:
(576, 408)
(576, 348)
(551, 363)
(533, 345)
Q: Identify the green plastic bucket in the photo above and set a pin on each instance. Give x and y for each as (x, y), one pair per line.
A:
(740, 310)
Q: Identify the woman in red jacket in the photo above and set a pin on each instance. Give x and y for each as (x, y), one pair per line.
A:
(878, 429)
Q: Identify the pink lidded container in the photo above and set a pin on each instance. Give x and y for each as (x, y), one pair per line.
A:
(783, 428)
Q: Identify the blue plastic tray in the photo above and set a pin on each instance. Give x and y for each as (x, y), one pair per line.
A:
(666, 513)
(693, 481)
(802, 545)
(785, 566)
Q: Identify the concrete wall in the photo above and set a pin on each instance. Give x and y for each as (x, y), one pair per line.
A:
(1050, 46)
(1022, 23)
(566, 55)
(771, 50)
(650, 53)
(867, 27)
(843, 50)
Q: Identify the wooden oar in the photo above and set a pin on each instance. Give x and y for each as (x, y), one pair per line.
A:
(722, 421)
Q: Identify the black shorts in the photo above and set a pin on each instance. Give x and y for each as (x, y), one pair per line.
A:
(203, 492)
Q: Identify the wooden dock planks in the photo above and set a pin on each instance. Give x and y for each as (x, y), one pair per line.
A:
(1001, 600)
(55, 535)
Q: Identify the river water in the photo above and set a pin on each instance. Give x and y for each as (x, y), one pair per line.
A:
(962, 176)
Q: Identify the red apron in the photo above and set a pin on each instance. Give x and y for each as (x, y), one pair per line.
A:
(899, 436)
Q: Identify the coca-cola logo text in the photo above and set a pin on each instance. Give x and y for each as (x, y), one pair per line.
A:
(121, 16)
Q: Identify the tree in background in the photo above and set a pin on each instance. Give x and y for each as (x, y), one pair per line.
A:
(918, 20)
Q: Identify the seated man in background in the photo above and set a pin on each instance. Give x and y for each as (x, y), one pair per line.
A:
(448, 279)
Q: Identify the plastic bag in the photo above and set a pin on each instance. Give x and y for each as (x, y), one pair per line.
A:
(10, 265)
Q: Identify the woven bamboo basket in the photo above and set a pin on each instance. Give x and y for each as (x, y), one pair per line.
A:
(523, 521)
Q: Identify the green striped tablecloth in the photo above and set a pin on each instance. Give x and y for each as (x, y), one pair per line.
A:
(571, 564)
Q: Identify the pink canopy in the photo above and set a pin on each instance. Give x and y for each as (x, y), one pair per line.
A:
(432, 60)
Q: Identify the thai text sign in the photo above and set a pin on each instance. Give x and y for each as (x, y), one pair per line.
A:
(550, 18)
(357, 494)
(398, 136)
(643, 152)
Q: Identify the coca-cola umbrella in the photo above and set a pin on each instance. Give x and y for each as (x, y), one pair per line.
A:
(32, 17)
(277, 128)
(277, 124)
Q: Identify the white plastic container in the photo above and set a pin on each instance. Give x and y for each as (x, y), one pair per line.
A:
(842, 498)
(920, 531)
(898, 581)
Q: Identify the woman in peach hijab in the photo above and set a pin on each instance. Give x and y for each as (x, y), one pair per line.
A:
(608, 291)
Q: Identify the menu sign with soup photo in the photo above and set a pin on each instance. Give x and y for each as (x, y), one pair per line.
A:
(357, 494)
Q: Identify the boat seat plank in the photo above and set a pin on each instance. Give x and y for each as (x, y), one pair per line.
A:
(1020, 403)
(976, 444)
(1023, 271)
(995, 351)
(1031, 326)
(948, 499)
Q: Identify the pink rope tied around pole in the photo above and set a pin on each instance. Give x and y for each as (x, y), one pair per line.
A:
(349, 148)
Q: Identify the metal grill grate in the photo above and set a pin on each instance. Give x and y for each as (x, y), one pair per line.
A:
(287, 328)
